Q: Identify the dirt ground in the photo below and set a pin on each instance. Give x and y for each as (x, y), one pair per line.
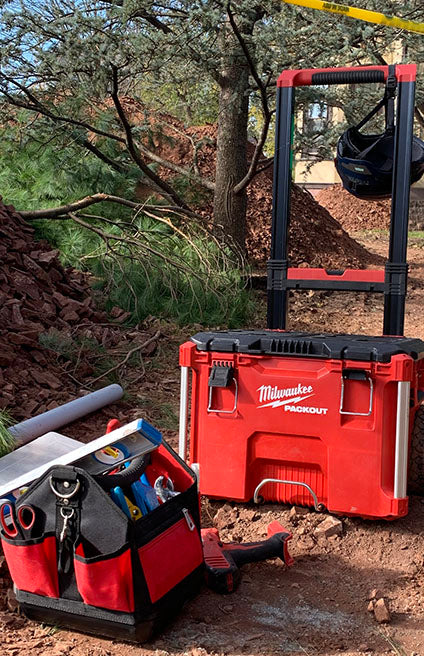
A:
(318, 606)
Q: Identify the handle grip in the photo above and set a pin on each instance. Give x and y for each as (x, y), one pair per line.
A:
(345, 75)
(348, 77)
(223, 560)
(254, 552)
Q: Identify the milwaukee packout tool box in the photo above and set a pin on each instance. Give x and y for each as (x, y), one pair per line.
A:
(310, 419)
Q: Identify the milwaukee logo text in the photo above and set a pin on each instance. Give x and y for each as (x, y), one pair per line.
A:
(269, 393)
(271, 396)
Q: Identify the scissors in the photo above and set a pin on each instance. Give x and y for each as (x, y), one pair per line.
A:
(19, 523)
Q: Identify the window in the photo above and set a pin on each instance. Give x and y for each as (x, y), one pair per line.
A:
(316, 118)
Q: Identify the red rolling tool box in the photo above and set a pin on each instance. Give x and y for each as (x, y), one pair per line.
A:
(312, 419)
(328, 414)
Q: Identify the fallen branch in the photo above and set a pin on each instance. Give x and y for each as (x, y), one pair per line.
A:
(63, 210)
(127, 357)
(107, 237)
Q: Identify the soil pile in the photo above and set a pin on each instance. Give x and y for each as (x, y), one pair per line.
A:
(315, 237)
(352, 213)
(42, 303)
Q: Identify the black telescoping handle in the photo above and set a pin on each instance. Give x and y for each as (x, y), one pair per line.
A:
(253, 552)
(348, 77)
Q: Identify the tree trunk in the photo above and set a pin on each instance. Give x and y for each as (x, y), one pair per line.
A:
(231, 156)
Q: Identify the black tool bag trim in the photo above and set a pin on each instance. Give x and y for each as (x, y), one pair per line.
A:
(102, 572)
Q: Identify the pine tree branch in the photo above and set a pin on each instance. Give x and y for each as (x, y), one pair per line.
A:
(133, 242)
(34, 105)
(62, 211)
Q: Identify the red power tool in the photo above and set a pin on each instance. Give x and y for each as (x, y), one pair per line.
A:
(223, 560)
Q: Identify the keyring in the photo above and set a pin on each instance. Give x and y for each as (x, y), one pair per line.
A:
(64, 496)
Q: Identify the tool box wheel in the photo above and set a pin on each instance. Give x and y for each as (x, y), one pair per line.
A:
(416, 457)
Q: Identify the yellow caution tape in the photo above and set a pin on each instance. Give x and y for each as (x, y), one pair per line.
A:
(361, 14)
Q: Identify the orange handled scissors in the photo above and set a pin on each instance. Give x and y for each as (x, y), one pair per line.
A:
(17, 523)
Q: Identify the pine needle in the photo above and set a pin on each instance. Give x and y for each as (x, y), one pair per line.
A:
(7, 441)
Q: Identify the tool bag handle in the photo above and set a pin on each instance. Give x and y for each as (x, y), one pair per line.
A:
(127, 476)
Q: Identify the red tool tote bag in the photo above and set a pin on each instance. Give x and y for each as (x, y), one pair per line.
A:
(88, 567)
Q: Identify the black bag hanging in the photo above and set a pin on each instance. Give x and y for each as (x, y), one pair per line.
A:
(365, 162)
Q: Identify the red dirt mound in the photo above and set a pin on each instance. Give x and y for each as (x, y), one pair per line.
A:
(352, 213)
(315, 238)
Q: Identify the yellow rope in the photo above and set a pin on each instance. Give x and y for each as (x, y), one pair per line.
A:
(361, 14)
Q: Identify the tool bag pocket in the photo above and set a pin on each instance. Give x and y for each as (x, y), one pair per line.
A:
(171, 556)
(105, 581)
(33, 564)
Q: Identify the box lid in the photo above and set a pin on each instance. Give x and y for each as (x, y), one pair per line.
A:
(309, 345)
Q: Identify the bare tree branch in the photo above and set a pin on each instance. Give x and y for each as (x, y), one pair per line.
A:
(142, 13)
(208, 184)
(127, 357)
(267, 114)
(55, 212)
(98, 153)
(164, 188)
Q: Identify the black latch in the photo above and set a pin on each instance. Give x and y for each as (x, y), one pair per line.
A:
(391, 82)
(354, 374)
(221, 376)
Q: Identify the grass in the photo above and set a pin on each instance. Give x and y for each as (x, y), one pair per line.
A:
(7, 441)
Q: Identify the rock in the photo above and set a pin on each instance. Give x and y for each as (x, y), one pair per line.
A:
(116, 312)
(327, 528)
(228, 608)
(301, 510)
(370, 608)
(225, 517)
(381, 611)
(251, 515)
(12, 604)
(375, 593)
(293, 515)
